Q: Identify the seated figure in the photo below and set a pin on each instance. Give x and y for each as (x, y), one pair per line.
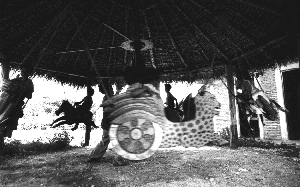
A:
(84, 106)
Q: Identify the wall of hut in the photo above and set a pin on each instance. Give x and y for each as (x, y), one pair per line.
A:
(267, 82)
(220, 91)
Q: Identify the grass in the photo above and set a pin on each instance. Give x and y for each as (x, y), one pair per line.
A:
(59, 142)
(289, 150)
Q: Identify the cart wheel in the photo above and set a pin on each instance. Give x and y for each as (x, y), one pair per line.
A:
(136, 138)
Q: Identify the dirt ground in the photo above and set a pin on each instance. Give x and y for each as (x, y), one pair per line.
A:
(208, 166)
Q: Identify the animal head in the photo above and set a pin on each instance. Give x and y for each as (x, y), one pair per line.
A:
(62, 108)
(207, 101)
(189, 108)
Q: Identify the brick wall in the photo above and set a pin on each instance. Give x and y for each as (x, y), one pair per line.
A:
(223, 119)
(267, 81)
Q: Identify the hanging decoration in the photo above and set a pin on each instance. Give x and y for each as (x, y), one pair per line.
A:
(255, 101)
(128, 45)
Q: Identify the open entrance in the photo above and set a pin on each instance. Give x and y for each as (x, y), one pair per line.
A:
(249, 128)
(291, 85)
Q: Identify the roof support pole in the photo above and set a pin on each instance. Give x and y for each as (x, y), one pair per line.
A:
(232, 107)
(137, 44)
(1, 148)
(149, 33)
(137, 56)
(298, 45)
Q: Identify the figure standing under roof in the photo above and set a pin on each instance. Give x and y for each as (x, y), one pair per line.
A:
(14, 92)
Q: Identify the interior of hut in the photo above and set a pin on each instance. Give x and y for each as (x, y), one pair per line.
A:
(75, 41)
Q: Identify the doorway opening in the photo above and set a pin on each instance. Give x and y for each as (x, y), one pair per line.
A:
(291, 90)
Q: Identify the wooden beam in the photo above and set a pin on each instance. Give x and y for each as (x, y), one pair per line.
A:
(172, 40)
(103, 32)
(106, 25)
(88, 52)
(57, 19)
(2, 148)
(278, 40)
(232, 107)
(202, 33)
(83, 50)
(236, 13)
(149, 34)
(68, 45)
(156, 4)
(62, 15)
(116, 31)
(54, 71)
(198, 44)
(298, 45)
(34, 5)
(110, 54)
(245, 2)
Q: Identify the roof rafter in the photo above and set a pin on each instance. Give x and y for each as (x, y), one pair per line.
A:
(106, 24)
(281, 39)
(246, 2)
(69, 43)
(249, 37)
(126, 27)
(82, 50)
(172, 40)
(225, 35)
(103, 32)
(110, 53)
(23, 10)
(78, 30)
(200, 46)
(149, 33)
(57, 19)
(63, 14)
(201, 32)
(153, 6)
(86, 46)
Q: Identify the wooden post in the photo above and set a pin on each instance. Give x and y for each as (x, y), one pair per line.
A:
(88, 127)
(137, 56)
(232, 107)
(3, 75)
(2, 146)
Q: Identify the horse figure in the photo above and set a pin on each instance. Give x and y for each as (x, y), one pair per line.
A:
(72, 116)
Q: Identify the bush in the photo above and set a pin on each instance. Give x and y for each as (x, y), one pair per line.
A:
(225, 134)
(60, 141)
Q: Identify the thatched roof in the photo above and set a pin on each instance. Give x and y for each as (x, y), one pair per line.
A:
(187, 35)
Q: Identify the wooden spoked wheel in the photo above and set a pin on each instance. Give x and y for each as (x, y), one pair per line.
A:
(135, 138)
